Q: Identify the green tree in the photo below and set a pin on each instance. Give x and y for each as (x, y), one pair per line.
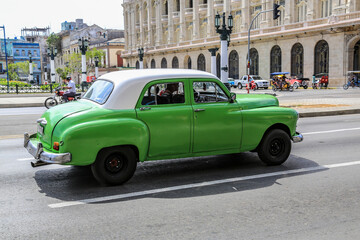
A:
(90, 58)
(19, 68)
(63, 72)
(54, 41)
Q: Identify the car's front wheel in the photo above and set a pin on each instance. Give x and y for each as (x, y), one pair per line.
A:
(239, 86)
(115, 165)
(275, 147)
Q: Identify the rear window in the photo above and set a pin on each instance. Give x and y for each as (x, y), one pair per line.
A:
(99, 92)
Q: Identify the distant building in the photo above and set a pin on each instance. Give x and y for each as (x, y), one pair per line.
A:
(70, 26)
(110, 41)
(21, 52)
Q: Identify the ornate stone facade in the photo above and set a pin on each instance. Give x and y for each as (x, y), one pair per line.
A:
(310, 36)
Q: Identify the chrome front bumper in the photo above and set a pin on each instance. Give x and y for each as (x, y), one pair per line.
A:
(298, 137)
(44, 157)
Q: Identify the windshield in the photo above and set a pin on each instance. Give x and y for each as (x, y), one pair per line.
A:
(257, 78)
(99, 91)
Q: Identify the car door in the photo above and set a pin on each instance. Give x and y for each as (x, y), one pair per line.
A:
(217, 121)
(168, 117)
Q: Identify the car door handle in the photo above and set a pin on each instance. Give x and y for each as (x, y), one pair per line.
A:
(145, 108)
(199, 110)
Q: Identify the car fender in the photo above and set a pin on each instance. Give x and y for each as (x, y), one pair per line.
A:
(85, 140)
(257, 121)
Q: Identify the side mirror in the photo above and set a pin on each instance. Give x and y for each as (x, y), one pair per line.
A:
(232, 97)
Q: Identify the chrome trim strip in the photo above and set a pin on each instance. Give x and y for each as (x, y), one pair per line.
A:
(38, 153)
(298, 137)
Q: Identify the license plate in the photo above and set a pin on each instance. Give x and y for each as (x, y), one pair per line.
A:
(40, 129)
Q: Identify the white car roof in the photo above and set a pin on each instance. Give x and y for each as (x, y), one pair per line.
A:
(128, 84)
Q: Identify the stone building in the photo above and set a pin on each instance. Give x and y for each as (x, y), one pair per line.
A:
(110, 41)
(310, 36)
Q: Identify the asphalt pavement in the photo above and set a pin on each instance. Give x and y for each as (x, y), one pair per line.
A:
(313, 195)
(309, 102)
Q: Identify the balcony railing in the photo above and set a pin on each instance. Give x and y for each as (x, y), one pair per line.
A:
(188, 11)
(203, 7)
(176, 14)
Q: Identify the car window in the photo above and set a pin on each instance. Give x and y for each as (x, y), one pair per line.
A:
(99, 92)
(164, 93)
(207, 92)
(257, 78)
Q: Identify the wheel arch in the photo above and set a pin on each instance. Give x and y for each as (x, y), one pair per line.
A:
(280, 126)
(132, 147)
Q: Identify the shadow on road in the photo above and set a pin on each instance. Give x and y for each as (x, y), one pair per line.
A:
(77, 183)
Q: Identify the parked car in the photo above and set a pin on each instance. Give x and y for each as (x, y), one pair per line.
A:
(134, 116)
(259, 81)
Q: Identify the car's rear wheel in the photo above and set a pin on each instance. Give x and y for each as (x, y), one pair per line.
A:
(275, 147)
(305, 86)
(114, 166)
(345, 86)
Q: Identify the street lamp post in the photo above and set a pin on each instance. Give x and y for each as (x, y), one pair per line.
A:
(52, 52)
(83, 45)
(96, 67)
(213, 60)
(31, 75)
(141, 57)
(225, 40)
(276, 15)
(6, 60)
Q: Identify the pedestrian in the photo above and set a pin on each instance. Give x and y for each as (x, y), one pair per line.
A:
(71, 89)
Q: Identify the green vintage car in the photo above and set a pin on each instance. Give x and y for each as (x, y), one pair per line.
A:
(141, 115)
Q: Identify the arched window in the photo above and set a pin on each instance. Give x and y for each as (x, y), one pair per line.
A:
(254, 62)
(234, 65)
(153, 63)
(137, 65)
(356, 56)
(163, 63)
(175, 63)
(297, 59)
(275, 59)
(201, 63)
(321, 57)
(218, 64)
(189, 63)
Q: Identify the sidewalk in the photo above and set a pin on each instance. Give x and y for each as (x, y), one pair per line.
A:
(309, 103)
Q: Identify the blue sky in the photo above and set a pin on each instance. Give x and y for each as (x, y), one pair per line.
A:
(18, 14)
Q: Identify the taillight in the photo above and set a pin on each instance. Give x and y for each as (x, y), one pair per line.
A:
(56, 146)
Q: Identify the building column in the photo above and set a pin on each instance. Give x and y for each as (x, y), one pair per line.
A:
(170, 21)
(133, 29)
(196, 20)
(245, 16)
(149, 15)
(158, 23)
(210, 19)
(182, 21)
(311, 10)
(289, 12)
(141, 22)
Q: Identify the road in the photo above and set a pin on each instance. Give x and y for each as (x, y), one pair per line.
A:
(314, 195)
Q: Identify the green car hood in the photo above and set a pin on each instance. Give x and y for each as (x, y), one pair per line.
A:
(251, 101)
(54, 115)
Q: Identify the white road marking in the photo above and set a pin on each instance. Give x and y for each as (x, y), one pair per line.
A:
(25, 159)
(203, 184)
(332, 131)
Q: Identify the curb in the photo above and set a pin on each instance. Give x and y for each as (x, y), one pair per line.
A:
(329, 113)
(20, 105)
